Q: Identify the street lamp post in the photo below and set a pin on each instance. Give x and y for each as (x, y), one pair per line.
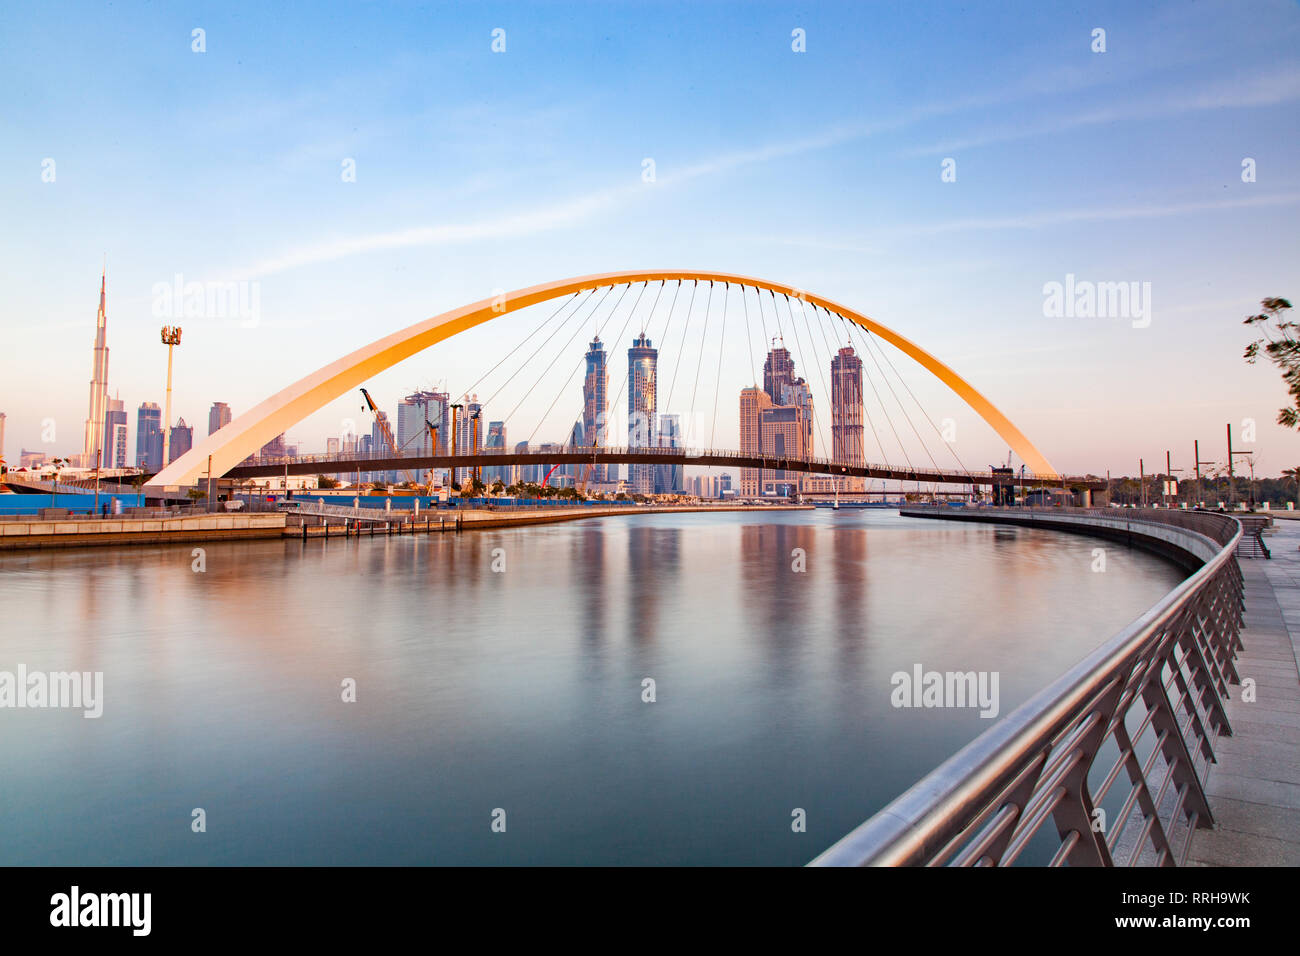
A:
(1250, 489)
(171, 337)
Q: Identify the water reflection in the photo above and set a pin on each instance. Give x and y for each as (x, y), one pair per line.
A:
(521, 687)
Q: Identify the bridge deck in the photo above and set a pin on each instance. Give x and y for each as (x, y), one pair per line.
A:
(346, 463)
(1254, 787)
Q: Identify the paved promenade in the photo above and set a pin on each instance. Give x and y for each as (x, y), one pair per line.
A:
(1254, 788)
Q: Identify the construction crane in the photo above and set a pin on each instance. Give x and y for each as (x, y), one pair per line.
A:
(433, 431)
(387, 433)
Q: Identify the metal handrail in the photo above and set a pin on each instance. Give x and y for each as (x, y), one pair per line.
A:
(985, 804)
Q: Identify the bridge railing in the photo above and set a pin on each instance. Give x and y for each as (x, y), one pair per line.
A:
(1145, 708)
(484, 455)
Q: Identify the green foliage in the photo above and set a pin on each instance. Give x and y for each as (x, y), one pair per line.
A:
(325, 481)
(1213, 489)
(1280, 345)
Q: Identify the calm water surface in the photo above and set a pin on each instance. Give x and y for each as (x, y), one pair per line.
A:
(521, 690)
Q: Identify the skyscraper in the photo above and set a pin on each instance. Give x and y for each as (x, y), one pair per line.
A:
(786, 388)
(557, 477)
(114, 449)
(181, 440)
(275, 448)
(595, 388)
(670, 479)
(776, 420)
(98, 383)
(577, 440)
(496, 438)
(218, 416)
(778, 373)
(531, 474)
(642, 405)
(148, 437)
(784, 429)
(847, 441)
(469, 433)
(378, 443)
(413, 435)
(753, 402)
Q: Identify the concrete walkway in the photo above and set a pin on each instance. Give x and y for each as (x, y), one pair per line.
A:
(1254, 788)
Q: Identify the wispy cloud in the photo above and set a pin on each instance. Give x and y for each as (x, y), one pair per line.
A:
(505, 226)
(1268, 89)
(546, 218)
(808, 242)
(1277, 87)
(1113, 213)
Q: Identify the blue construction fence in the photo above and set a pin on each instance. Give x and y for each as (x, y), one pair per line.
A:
(407, 502)
(76, 503)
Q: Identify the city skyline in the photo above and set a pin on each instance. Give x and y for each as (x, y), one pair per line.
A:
(648, 434)
(393, 245)
(786, 423)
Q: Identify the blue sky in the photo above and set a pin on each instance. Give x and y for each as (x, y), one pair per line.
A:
(478, 170)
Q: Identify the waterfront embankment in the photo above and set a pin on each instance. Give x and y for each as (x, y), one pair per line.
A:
(67, 532)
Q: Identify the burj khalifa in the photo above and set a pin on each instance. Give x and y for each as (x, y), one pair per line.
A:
(98, 385)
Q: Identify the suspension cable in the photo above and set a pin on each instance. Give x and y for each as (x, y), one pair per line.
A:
(622, 332)
(821, 370)
(717, 382)
(590, 297)
(681, 346)
(921, 407)
(799, 344)
(901, 407)
(749, 336)
(866, 412)
(565, 384)
(699, 363)
(767, 342)
(830, 363)
(548, 368)
(888, 420)
(563, 305)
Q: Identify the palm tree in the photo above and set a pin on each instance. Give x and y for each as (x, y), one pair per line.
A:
(59, 464)
(137, 482)
(1294, 475)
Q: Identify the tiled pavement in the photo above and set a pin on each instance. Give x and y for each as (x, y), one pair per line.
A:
(1254, 787)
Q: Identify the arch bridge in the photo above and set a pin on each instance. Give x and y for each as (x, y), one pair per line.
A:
(226, 452)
